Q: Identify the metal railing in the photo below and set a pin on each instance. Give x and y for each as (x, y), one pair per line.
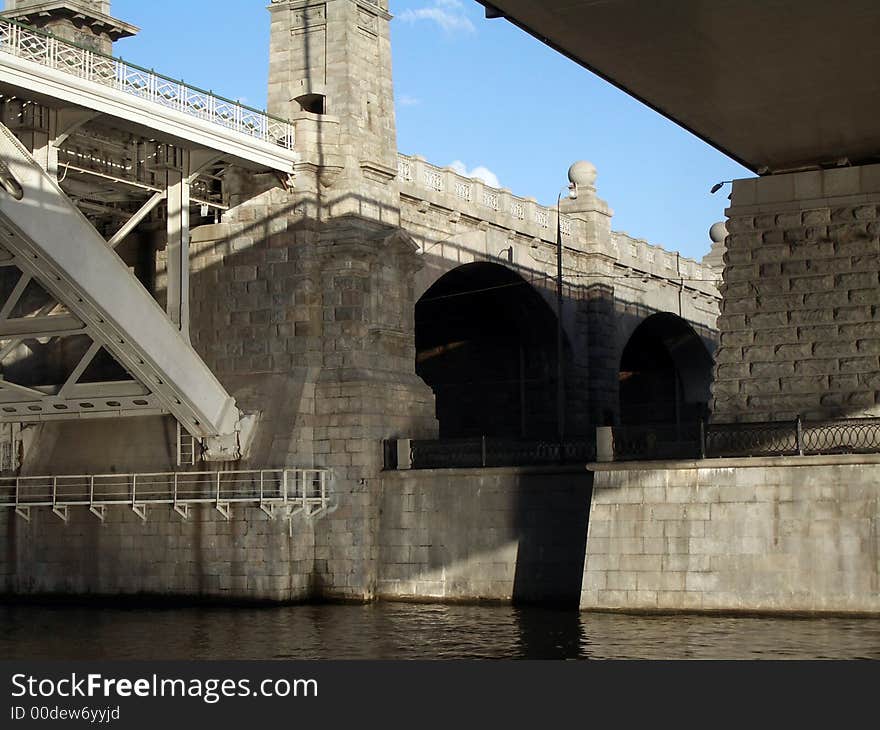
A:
(487, 452)
(793, 438)
(697, 440)
(271, 490)
(47, 50)
(635, 443)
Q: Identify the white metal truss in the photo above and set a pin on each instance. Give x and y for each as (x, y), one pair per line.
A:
(284, 492)
(50, 241)
(55, 68)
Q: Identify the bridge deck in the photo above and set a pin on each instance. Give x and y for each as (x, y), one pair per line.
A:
(61, 72)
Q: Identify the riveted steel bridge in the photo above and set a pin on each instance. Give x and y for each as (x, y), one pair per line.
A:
(91, 147)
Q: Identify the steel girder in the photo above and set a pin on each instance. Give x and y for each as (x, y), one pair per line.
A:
(50, 241)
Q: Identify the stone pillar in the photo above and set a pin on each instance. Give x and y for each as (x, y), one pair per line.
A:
(593, 376)
(800, 322)
(367, 390)
(330, 71)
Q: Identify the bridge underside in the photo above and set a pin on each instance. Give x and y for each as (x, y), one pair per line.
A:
(80, 336)
(104, 168)
(769, 84)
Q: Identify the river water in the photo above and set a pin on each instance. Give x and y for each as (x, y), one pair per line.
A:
(415, 631)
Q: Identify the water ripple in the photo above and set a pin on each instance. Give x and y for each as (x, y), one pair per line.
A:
(407, 631)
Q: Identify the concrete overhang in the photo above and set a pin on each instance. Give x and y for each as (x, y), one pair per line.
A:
(775, 84)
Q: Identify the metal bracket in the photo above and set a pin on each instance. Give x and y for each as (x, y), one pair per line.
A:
(231, 446)
(224, 509)
(269, 509)
(24, 513)
(140, 510)
(62, 512)
(182, 510)
(100, 511)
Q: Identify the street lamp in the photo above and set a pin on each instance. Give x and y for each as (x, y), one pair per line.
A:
(571, 192)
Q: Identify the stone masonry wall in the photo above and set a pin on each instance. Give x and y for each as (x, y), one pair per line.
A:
(800, 323)
(491, 534)
(796, 535)
(310, 324)
(248, 558)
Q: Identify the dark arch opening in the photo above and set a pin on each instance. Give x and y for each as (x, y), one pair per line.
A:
(665, 373)
(312, 103)
(486, 345)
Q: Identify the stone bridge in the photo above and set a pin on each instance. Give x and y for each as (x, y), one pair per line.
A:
(479, 243)
(341, 294)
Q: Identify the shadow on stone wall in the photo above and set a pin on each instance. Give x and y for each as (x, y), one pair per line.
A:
(552, 520)
(312, 324)
(484, 534)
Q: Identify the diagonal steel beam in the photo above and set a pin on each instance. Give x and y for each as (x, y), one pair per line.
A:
(56, 244)
(133, 222)
(5, 385)
(13, 298)
(31, 328)
(79, 370)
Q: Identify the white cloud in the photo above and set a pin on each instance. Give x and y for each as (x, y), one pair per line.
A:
(404, 100)
(448, 14)
(480, 173)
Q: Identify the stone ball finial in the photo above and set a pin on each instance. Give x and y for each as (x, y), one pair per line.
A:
(582, 174)
(718, 232)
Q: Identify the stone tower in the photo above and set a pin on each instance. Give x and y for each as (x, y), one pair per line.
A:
(308, 314)
(330, 72)
(86, 22)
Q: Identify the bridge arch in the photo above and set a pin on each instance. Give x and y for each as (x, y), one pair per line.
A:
(486, 345)
(665, 372)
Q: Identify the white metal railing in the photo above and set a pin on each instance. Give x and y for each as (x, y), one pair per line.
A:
(48, 50)
(295, 490)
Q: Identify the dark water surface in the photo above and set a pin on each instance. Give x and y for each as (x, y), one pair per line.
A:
(406, 631)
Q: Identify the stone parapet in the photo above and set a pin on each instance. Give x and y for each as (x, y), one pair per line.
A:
(423, 184)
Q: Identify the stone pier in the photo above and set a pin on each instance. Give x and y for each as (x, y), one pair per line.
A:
(800, 338)
(800, 320)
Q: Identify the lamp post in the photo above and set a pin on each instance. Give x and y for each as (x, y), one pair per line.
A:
(571, 192)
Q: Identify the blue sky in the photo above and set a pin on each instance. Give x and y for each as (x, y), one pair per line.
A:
(478, 92)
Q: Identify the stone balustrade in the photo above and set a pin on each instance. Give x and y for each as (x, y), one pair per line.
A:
(443, 186)
(655, 261)
(472, 197)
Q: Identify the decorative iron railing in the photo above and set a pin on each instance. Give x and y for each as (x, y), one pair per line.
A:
(488, 452)
(635, 443)
(752, 439)
(772, 438)
(45, 49)
(294, 490)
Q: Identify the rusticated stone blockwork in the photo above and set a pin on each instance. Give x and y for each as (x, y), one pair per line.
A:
(800, 322)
